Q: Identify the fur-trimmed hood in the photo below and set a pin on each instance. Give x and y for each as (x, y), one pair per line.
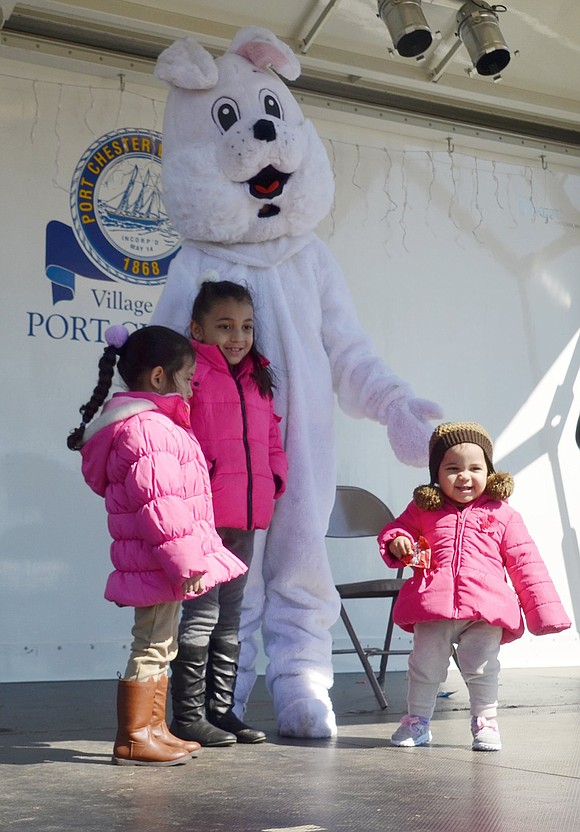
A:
(500, 486)
(119, 408)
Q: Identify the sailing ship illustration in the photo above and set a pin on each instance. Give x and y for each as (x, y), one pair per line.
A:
(140, 202)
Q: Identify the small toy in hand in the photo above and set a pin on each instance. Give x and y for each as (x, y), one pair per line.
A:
(420, 557)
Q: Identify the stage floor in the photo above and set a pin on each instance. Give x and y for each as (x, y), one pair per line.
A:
(56, 740)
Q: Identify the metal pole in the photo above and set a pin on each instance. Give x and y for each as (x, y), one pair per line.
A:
(436, 73)
(309, 39)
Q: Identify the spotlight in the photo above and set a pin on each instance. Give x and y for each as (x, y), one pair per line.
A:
(478, 29)
(407, 26)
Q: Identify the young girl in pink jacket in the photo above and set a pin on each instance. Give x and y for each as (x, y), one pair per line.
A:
(141, 456)
(466, 537)
(233, 417)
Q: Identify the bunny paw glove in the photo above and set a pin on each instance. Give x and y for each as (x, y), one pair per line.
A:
(409, 431)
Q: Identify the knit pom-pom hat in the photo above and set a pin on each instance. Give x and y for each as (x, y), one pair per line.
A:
(500, 485)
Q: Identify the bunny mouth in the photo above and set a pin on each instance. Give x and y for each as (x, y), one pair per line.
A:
(267, 184)
(268, 210)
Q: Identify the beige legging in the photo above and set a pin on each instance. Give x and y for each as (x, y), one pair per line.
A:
(154, 643)
(477, 653)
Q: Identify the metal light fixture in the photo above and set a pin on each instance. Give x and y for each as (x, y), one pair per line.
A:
(407, 26)
(478, 29)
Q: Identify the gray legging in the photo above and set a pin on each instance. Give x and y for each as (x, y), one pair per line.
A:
(217, 613)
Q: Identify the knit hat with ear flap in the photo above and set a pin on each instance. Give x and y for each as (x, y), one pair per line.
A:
(499, 485)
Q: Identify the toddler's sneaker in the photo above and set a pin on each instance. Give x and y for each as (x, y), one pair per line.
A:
(485, 734)
(413, 730)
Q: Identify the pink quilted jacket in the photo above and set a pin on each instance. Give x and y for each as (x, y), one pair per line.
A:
(471, 551)
(141, 457)
(240, 436)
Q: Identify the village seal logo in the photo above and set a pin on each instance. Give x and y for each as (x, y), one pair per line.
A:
(117, 210)
(121, 230)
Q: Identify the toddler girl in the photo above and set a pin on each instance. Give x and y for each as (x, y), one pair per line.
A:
(141, 456)
(463, 598)
(233, 417)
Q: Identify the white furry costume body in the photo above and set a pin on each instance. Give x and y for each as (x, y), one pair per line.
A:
(246, 179)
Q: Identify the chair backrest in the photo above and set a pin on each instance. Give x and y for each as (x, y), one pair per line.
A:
(357, 513)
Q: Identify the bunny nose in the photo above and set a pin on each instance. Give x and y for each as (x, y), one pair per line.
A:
(264, 130)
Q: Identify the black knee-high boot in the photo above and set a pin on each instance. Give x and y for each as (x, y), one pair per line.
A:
(188, 694)
(222, 669)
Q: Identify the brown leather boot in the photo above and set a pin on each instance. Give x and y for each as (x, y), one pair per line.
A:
(135, 744)
(159, 727)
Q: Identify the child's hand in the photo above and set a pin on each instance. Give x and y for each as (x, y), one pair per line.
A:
(400, 547)
(194, 584)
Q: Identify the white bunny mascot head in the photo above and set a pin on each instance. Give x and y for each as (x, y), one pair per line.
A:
(246, 181)
(241, 163)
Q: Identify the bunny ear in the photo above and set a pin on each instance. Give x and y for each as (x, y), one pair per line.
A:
(188, 65)
(263, 49)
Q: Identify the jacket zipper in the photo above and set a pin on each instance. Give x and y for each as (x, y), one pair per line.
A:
(459, 532)
(247, 450)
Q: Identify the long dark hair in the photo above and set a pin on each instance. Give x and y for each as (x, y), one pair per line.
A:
(209, 294)
(137, 354)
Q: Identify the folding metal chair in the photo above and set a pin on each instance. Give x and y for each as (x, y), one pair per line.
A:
(358, 513)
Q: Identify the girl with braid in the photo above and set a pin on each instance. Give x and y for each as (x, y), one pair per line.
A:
(142, 457)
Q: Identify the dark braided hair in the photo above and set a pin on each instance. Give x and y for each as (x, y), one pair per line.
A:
(210, 293)
(138, 354)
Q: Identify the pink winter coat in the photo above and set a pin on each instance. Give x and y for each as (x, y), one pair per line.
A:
(240, 436)
(471, 551)
(141, 457)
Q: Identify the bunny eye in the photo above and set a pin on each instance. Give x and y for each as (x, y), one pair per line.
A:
(271, 104)
(225, 113)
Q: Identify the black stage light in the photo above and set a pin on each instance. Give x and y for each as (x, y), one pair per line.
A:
(478, 29)
(407, 26)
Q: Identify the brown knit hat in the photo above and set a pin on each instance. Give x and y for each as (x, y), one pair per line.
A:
(447, 435)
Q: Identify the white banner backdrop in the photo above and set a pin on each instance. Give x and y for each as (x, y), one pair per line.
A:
(463, 267)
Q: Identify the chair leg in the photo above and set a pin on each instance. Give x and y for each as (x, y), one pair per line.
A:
(377, 690)
(386, 647)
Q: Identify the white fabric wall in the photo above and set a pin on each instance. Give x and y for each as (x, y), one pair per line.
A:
(463, 267)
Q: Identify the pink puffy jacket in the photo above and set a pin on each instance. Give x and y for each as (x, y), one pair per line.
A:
(471, 551)
(141, 457)
(240, 436)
